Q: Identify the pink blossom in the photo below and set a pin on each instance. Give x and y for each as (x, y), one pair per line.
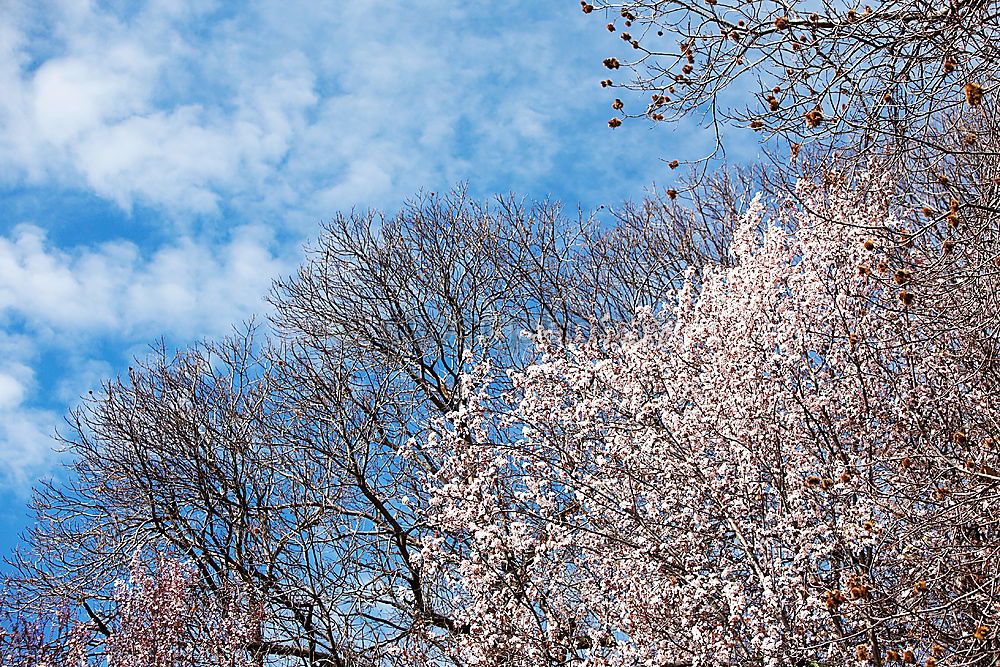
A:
(788, 465)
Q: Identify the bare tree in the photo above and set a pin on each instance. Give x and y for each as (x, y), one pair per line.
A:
(904, 77)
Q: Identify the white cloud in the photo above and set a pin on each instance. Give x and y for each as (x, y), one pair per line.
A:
(72, 96)
(67, 303)
(25, 429)
(11, 392)
(292, 107)
(111, 112)
(188, 289)
(26, 446)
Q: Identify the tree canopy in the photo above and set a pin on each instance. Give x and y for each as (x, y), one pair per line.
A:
(707, 429)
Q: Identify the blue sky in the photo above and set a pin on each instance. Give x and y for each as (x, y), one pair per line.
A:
(161, 162)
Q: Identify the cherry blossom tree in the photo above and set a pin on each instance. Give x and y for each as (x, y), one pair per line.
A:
(48, 639)
(161, 619)
(158, 618)
(795, 464)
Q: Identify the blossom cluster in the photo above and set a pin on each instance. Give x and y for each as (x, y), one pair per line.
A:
(793, 463)
(158, 618)
(162, 621)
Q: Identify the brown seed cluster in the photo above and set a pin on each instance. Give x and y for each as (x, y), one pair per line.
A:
(617, 104)
(824, 483)
(614, 122)
(612, 63)
(973, 94)
(860, 592)
(814, 118)
(834, 599)
(586, 7)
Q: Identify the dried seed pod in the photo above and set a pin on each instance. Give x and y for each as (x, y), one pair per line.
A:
(973, 94)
